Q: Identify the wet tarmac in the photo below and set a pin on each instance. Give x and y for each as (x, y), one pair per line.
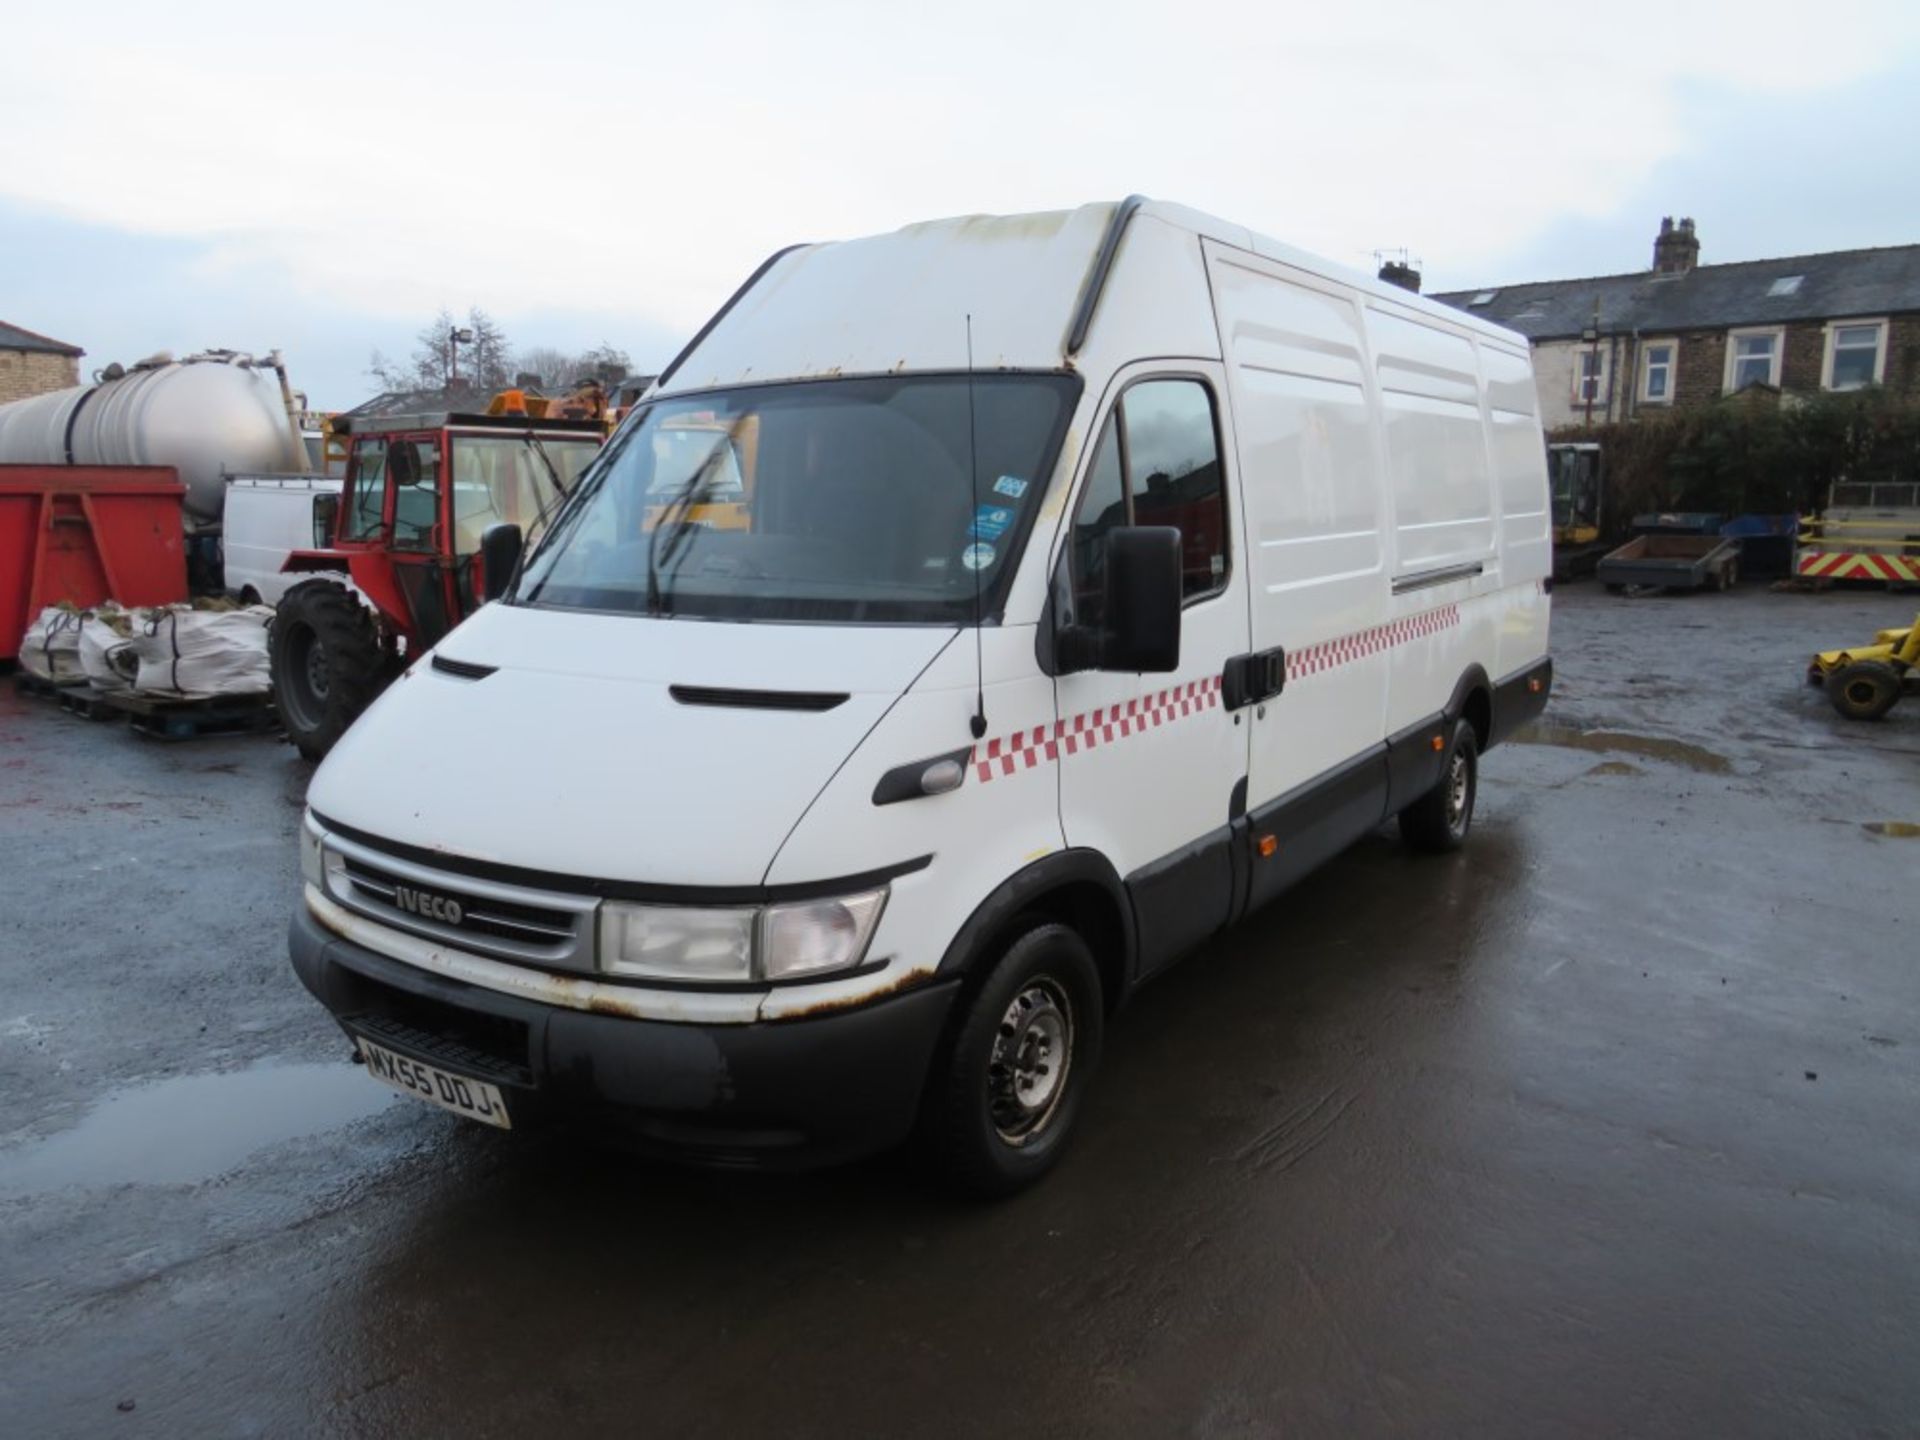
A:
(1609, 1125)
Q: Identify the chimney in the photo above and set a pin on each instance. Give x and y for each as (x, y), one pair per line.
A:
(1399, 272)
(1676, 249)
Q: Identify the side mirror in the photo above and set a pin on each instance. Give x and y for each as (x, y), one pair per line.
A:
(1142, 592)
(1143, 600)
(499, 556)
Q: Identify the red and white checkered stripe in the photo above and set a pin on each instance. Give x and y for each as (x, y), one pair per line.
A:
(1024, 749)
(1028, 749)
(1312, 659)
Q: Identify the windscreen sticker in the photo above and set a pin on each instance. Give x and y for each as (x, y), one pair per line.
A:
(977, 557)
(1010, 486)
(990, 522)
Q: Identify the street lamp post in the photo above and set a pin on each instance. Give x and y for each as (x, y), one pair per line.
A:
(456, 337)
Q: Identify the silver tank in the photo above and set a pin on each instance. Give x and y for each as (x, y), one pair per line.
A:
(208, 416)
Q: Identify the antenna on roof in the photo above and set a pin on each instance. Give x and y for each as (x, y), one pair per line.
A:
(979, 722)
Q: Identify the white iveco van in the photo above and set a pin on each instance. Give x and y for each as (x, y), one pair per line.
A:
(969, 622)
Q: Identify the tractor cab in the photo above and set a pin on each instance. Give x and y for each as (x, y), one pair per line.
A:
(419, 492)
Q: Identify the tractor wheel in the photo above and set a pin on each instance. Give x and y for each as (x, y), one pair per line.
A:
(1864, 690)
(326, 662)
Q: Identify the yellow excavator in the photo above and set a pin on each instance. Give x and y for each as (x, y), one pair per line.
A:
(1865, 681)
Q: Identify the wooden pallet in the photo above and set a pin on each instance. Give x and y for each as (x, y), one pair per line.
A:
(28, 683)
(154, 718)
(89, 703)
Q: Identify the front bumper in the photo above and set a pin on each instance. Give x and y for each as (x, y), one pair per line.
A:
(779, 1094)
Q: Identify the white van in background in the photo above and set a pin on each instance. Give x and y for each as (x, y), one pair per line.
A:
(266, 518)
(1083, 581)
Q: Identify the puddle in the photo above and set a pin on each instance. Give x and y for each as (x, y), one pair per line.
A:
(1899, 829)
(1694, 757)
(192, 1128)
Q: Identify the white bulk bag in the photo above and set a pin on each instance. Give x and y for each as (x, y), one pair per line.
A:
(191, 654)
(106, 649)
(51, 646)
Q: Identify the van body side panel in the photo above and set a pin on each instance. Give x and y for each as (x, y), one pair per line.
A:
(1517, 451)
(1314, 486)
(1456, 599)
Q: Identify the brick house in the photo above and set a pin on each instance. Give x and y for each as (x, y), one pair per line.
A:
(33, 364)
(1617, 346)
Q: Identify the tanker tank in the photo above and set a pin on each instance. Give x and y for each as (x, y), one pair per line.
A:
(209, 416)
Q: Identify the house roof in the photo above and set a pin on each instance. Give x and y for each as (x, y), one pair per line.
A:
(13, 337)
(1840, 283)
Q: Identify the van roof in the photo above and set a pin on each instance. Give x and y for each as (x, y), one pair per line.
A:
(911, 300)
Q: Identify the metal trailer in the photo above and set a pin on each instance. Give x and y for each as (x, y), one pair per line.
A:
(1672, 562)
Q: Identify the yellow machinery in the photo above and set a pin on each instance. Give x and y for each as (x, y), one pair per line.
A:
(1576, 474)
(1864, 681)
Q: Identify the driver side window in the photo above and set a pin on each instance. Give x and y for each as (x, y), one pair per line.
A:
(1157, 463)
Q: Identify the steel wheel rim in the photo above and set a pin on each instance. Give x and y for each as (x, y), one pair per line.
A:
(1862, 692)
(1028, 1067)
(1458, 784)
(308, 677)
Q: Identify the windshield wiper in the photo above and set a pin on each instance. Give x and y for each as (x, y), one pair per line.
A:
(532, 442)
(674, 513)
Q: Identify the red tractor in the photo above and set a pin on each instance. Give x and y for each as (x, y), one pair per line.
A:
(397, 561)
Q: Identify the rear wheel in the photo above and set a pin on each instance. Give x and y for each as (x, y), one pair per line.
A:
(326, 662)
(1439, 820)
(1864, 690)
(1007, 1089)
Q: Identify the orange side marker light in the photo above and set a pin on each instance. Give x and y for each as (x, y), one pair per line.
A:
(1268, 844)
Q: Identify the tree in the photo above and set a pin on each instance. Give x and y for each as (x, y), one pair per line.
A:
(488, 363)
(483, 364)
(559, 371)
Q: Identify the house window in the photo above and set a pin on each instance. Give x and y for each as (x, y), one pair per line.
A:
(1656, 373)
(1753, 358)
(1856, 354)
(1590, 377)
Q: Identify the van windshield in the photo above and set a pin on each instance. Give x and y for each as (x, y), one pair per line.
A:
(833, 500)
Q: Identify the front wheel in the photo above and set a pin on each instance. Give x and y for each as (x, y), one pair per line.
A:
(1864, 689)
(1439, 820)
(1007, 1089)
(325, 661)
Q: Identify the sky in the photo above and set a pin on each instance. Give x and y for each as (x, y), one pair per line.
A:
(323, 181)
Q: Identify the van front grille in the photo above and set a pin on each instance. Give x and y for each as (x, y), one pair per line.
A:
(506, 922)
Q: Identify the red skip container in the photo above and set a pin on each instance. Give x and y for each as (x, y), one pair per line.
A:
(87, 533)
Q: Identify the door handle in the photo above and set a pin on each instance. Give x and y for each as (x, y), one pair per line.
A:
(1259, 675)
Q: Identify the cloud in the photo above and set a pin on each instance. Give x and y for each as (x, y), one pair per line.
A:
(637, 162)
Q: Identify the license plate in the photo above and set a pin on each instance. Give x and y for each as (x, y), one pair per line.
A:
(462, 1094)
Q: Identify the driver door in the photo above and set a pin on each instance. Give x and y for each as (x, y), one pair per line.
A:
(1153, 766)
(420, 531)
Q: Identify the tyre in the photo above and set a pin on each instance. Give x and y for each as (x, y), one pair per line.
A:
(1864, 690)
(1440, 819)
(325, 661)
(1007, 1087)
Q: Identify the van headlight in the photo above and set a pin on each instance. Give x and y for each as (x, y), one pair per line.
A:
(776, 942)
(312, 862)
(665, 942)
(815, 937)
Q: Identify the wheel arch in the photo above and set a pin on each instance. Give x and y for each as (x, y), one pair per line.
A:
(1078, 888)
(1473, 702)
